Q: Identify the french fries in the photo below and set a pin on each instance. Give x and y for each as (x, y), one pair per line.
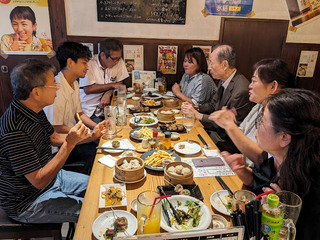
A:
(146, 132)
(155, 160)
(78, 116)
(150, 102)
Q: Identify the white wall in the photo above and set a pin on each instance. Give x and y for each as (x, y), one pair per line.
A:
(81, 18)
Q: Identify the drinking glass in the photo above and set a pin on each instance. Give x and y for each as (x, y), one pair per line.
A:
(188, 122)
(121, 110)
(162, 85)
(110, 114)
(146, 223)
(241, 198)
(290, 204)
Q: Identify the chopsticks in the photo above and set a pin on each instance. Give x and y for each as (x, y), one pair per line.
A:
(111, 148)
(174, 211)
(203, 141)
(224, 185)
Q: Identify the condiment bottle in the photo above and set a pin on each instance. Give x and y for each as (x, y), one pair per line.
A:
(161, 138)
(153, 141)
(272, 217)
(167, 141)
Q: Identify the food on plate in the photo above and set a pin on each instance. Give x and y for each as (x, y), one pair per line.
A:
(165, 115)
(156, 159)
(133, 164)
(112, 196)
(137, 134)
(146, 132)
(178, 188)
(226, 201)
(179, 170)
(190, 218)
(115, 144)
(129, 154)
(122, 225)
(173, 127)
(139, 109)
(144, 120)
(185, 192)
(182, 146)
(149, 102)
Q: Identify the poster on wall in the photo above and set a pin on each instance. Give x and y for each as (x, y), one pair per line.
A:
(25, 27)
(143, 79)
(302, 11)
(307, 63)
(206, 50)
(133, 57)
(239, 8)
(167, 59)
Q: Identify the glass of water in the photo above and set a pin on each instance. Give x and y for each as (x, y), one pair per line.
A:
(188, 122)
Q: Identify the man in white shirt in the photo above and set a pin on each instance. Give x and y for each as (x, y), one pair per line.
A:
(106, 71)
(73, 59)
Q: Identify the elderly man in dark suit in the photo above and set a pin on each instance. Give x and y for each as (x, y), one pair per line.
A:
(232, 93)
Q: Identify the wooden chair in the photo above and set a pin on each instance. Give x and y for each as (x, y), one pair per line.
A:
(13, 229)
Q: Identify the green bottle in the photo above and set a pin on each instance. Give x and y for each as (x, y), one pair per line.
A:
(272, 217)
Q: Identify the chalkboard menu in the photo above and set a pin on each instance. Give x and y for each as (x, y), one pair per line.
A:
(142, 11)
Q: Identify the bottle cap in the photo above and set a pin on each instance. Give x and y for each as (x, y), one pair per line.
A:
(273, 200)
(155, 133)
(167, 134)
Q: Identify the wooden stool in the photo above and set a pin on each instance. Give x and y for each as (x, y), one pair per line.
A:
(13, 229)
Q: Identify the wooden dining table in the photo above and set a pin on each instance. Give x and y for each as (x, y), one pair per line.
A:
(101, 174)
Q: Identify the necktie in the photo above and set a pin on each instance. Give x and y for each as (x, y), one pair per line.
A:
(220, 93)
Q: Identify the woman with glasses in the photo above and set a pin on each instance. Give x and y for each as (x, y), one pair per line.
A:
(269, 76)
(289, 129)
(196, 86)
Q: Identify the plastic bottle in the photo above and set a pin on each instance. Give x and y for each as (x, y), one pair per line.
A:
(161, 138)
(167, 141)
(272, 217)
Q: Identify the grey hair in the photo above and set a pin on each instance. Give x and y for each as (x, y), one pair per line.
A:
(226, 52)
(27, 75)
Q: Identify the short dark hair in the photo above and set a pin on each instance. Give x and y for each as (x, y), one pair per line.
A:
(109, 45)
(200, 58)
(27, 75)
(71, 50)
(21, 12)
(270, 69)
(226, 52)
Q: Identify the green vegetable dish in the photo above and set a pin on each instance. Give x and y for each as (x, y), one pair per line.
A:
(190, 217)
(144, 120)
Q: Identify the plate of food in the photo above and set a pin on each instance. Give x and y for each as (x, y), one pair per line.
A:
(187, 148)
(173, 128)
(143, 120)
(224, 207)
(140, 132)
(103, 226)
(153, 159)
(112, 195)
(139, 109)
(176, 111)
(114, 145)
(176, 190)
(197, 215)
(151, 103)
(144, 176)
(151, 95)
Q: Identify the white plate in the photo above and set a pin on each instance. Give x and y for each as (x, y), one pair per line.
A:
(158, 96)
(104, 187)
(176, 111)
(190, 148)
(109, 145)
(130, 95)
(146, 90)
(131, 120)
(170, 94)
(144, 176)
(217, 204)
(205, 220)
(130, 106)
(106, 220)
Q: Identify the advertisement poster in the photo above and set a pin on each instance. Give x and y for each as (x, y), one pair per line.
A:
(206, 50)
(307, 63)
(237, 8)
(133, 57)
(25, 27)
(302, 11)
(143, 79)
(167, 59)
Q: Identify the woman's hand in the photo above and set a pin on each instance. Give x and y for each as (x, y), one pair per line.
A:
(17, 45)
(223, 118)
(235, 161)
(274, 186)
(187, 108)
(176, 89)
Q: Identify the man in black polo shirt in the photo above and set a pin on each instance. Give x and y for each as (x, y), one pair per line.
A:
(33, 188)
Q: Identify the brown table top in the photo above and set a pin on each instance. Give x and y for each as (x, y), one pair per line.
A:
(102, 174)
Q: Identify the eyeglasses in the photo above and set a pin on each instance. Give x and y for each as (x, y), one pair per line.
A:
(57, 86)
(115, 59)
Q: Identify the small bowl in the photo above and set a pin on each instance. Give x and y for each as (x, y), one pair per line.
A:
(166, 162)
(134, 204)
(219, 221)
(135, 98)
(175, 135)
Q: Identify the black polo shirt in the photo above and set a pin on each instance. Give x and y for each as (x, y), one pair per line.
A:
(25, 147)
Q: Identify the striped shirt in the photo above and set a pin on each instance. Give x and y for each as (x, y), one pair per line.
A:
(25, 147)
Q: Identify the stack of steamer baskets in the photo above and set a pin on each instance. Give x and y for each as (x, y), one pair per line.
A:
(178, 173)
(127, 174)
(171, 102)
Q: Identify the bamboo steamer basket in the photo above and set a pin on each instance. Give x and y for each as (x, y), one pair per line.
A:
(178, 179)
(130, 174)
(171, 102)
